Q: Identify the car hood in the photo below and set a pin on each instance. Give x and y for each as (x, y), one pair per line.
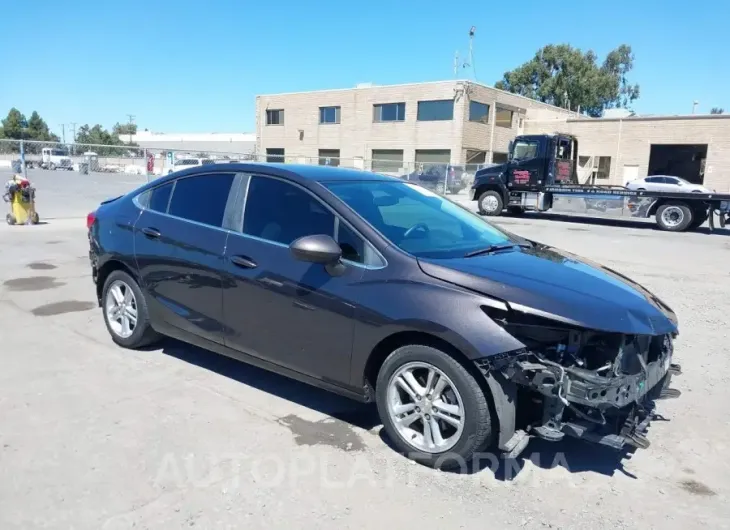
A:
(557, 285)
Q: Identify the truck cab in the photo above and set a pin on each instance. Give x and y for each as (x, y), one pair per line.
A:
(534, 161)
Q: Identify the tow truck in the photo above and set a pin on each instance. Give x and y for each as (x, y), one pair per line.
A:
(541, 174)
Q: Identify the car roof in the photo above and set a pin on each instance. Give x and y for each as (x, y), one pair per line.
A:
(328, 173)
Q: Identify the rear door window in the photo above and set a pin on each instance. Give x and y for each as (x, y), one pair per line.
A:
(202, 198)
(160, 198)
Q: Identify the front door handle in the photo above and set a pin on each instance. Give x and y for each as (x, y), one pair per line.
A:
(244, 262)
(152, 233)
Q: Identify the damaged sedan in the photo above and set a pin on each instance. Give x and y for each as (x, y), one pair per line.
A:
(467, 337)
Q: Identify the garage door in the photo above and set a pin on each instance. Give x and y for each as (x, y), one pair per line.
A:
(433, 156)
(387, 160)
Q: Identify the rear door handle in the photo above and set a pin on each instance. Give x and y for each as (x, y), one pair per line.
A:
(152, 233)
(244, 262)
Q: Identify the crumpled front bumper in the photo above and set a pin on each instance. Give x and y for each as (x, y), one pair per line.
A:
(613, 411)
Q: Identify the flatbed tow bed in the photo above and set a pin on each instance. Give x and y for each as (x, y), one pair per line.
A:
(541, 176)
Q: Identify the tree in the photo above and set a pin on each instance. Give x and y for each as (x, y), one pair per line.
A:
(13, 124)
(717, 110)
(567, 77)
(99, 137)
(38, 130)
(121, 129)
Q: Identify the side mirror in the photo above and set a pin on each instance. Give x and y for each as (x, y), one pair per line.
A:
(509, 149)
(318, 248)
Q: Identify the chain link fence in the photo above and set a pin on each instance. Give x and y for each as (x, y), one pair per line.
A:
(153, 162)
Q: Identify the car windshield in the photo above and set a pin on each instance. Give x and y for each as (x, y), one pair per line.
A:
(418, 221)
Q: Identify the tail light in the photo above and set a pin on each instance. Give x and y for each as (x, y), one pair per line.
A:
(90, 218)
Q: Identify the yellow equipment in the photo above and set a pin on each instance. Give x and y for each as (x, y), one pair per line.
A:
(21, 196)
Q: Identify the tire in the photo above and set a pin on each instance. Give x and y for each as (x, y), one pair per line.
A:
(490, 203)
(674, 216)
(10, 219)
(52, 166)
(35, 218)
(462, 391)
(142, 333)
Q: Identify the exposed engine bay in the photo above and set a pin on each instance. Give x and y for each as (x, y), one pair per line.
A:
(593, 385)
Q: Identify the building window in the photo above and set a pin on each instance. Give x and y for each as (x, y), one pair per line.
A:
(440, 110)
(389, 112)
(503, 118)
(499, 158)
(274, 154)
(329, 114)
(387, 160)
(478, 112)
(329, 157)
(275, 117)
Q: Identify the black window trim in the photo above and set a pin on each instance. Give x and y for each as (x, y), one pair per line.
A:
(230, 202)
(338, 219)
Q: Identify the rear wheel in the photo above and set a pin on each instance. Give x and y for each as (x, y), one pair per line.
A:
(674, 216)
(10, 219)
(433, 409)
(490, 203)
(125, 312)
(52, 166)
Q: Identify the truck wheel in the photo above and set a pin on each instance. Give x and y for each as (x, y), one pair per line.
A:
(52, 166)
(674, 216)
(434, 410)
(10, 219)
(490, 203)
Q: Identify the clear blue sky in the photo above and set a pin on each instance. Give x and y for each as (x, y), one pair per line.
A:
(184, 66)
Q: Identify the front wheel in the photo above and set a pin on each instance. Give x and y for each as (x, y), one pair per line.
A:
(674, 216)
(10, 219)
(433, 409)
(125, 312)
(490, 203)
(52, 166)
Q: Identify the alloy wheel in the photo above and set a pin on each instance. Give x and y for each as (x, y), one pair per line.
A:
(425, 407)
(120, 309)
(490, 204)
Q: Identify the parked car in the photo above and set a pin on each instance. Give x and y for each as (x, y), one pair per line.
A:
(187, 163)
(465, 336)
(667, 184)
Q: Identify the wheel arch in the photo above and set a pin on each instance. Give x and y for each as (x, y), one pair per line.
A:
(499, 392)
(104, 272)
(491, 186)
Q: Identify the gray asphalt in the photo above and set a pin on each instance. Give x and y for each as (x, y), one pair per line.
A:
(93, 436)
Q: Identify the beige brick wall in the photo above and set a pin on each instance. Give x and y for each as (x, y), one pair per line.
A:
(628, 141)
(357, 135)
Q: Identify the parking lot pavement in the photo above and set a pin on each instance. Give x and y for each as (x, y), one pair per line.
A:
(93, 436)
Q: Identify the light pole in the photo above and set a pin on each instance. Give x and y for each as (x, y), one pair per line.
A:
(694, 106)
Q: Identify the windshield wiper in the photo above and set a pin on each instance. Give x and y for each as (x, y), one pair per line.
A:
(496, 248)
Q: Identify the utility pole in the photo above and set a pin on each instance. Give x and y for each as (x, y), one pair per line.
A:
(63, 132)
(73, 139)
(131, 122)
(694, 106)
